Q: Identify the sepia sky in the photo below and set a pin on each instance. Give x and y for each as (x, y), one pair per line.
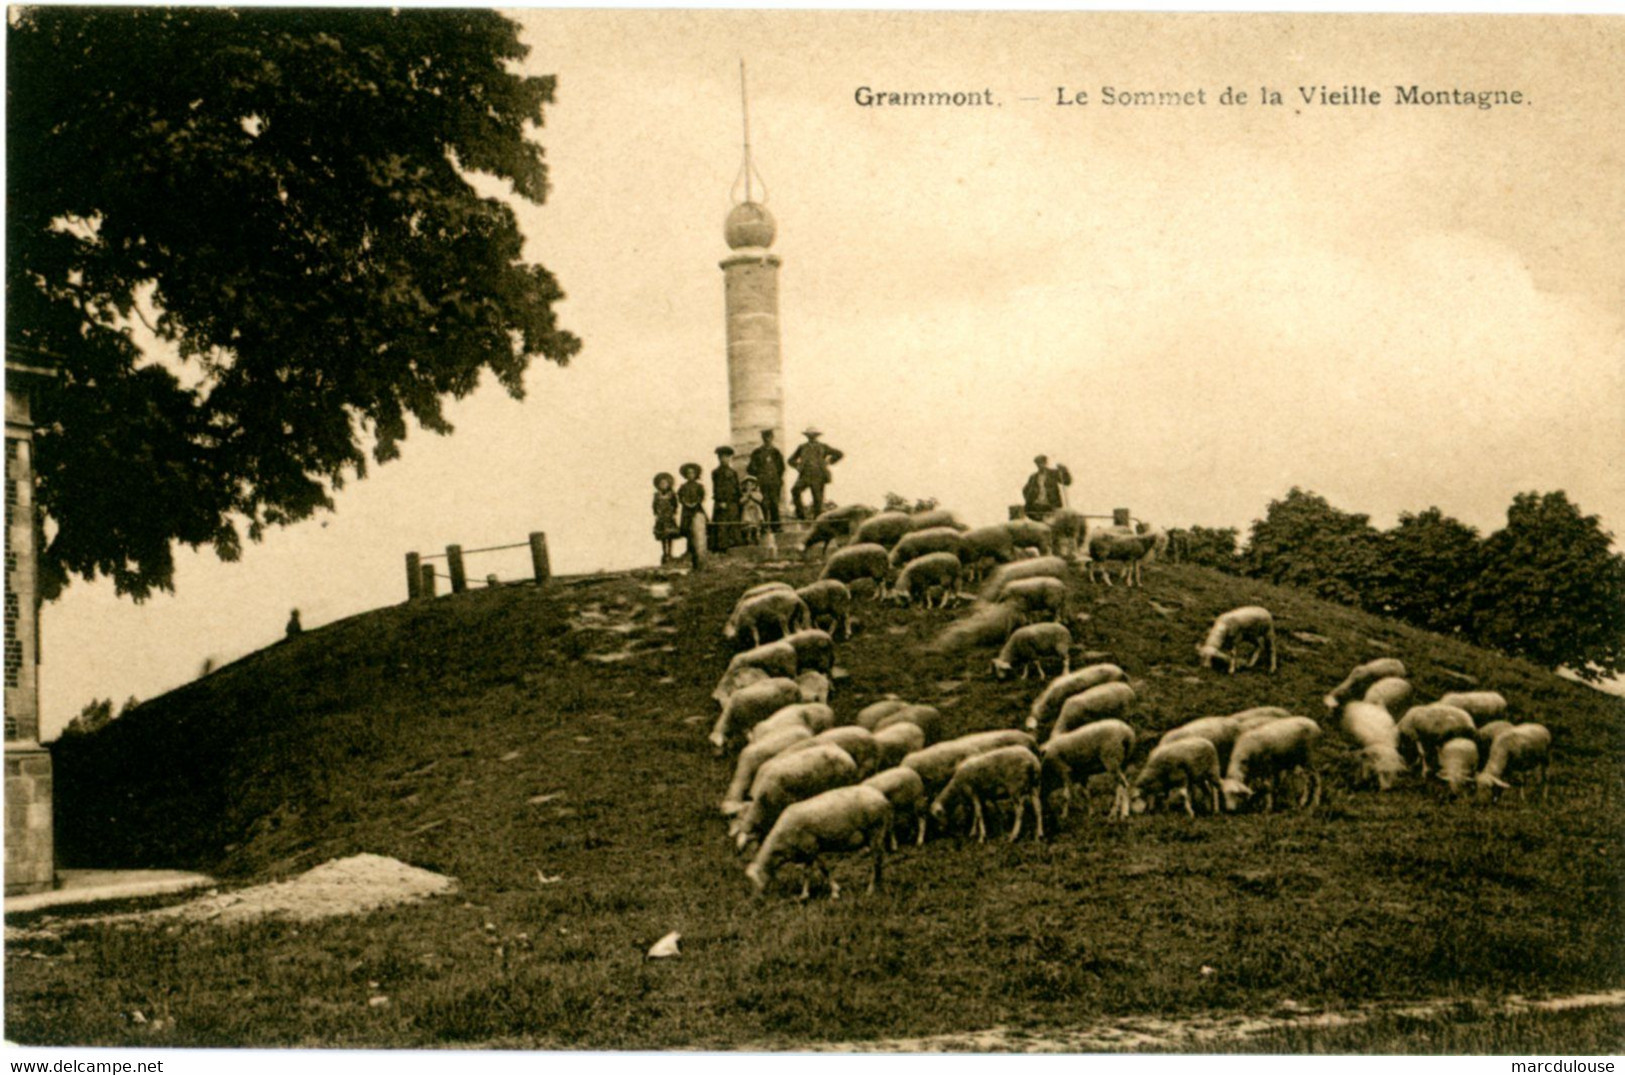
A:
(1195, 308)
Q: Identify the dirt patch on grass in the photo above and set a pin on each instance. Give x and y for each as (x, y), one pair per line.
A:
(346, 886)
(1196, 1033)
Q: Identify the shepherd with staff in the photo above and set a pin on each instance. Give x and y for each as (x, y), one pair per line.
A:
(1045, 491)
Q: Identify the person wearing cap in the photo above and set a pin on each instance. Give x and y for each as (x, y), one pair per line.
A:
(1042, 493)
(812, 460)
(665, 509)
(767, 467)
(691, 499)
(724, 502)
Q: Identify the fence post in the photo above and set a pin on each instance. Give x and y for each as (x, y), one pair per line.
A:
(427, 587)
(538, 556)
(454, 567)
(1120, 516)
(414, 577)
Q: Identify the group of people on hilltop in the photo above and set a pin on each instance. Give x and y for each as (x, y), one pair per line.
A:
(744, 510)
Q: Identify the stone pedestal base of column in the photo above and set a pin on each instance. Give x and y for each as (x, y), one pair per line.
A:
(30, 849)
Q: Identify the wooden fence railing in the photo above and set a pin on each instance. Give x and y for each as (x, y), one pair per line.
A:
(421, 575)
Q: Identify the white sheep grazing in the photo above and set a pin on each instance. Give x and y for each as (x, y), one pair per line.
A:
(814, 650)
(985, 543)
(1250, 623)
(1424, 728)
(924, 717)
(1373, 728)
(834, 524)
(1031, 534)
(987, 625)
(775, 658)
(885, 529)
(1041, 567)
(1222, 732)
(858, 742)
(936, 764)
(1485, 735)
(1067, 528)
(1519, 748)
(845, 819)
(1109, 700)
(1007, 774)
(1186, 766)
(830, 604)
(918, 543)
(857, 562)
(1480, 705)
(1048, 704)
(1028, 646)
(897, 741)
(750, 705)
(753, 757)
(1073, 757)
(932, 518)
(1106, 547)
(814, 686)
(797, 774)
(764, 587)
(1036, 598)
(933, 573)
(1267, 753)
(1458, 760)
(1248, 719)
(906, 793)
(814, 715)
(870, 715)
(1388, 692)
(1362, 677)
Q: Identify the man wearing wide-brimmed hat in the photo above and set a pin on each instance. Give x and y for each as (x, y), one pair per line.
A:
(724, 502)
(812, 461)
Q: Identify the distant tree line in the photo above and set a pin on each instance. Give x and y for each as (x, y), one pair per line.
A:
(1547, 586)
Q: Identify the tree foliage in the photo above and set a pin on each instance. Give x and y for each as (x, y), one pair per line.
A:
(1547, 586)
(1551, 589)
(1208, 546)
(1303, 541)
(96, 715)
(287, 192)
(1428, 567)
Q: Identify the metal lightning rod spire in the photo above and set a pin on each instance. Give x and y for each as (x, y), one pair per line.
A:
(744, 113)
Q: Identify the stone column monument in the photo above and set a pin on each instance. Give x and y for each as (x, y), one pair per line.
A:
(751, 298)
(750, 280)
(30, 856)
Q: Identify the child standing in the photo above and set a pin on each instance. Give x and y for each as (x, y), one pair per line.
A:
(691, 498)
(665, 509)
(751, 513)
(753, 516)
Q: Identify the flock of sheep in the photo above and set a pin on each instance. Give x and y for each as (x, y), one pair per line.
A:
(807, 784)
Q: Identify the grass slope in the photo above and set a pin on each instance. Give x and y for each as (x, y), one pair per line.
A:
(480, 736)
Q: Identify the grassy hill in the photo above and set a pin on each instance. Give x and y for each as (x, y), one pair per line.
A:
(506, 735)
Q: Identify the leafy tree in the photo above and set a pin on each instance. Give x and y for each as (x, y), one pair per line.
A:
(1552, 589)
(1303, 541)
(96, 715)
(1428, 565)
(1207, 545)
(285, 195)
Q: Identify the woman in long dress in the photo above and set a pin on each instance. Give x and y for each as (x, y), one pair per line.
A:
(691, 499)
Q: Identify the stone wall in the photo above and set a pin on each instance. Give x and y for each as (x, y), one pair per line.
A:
(29, 852)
